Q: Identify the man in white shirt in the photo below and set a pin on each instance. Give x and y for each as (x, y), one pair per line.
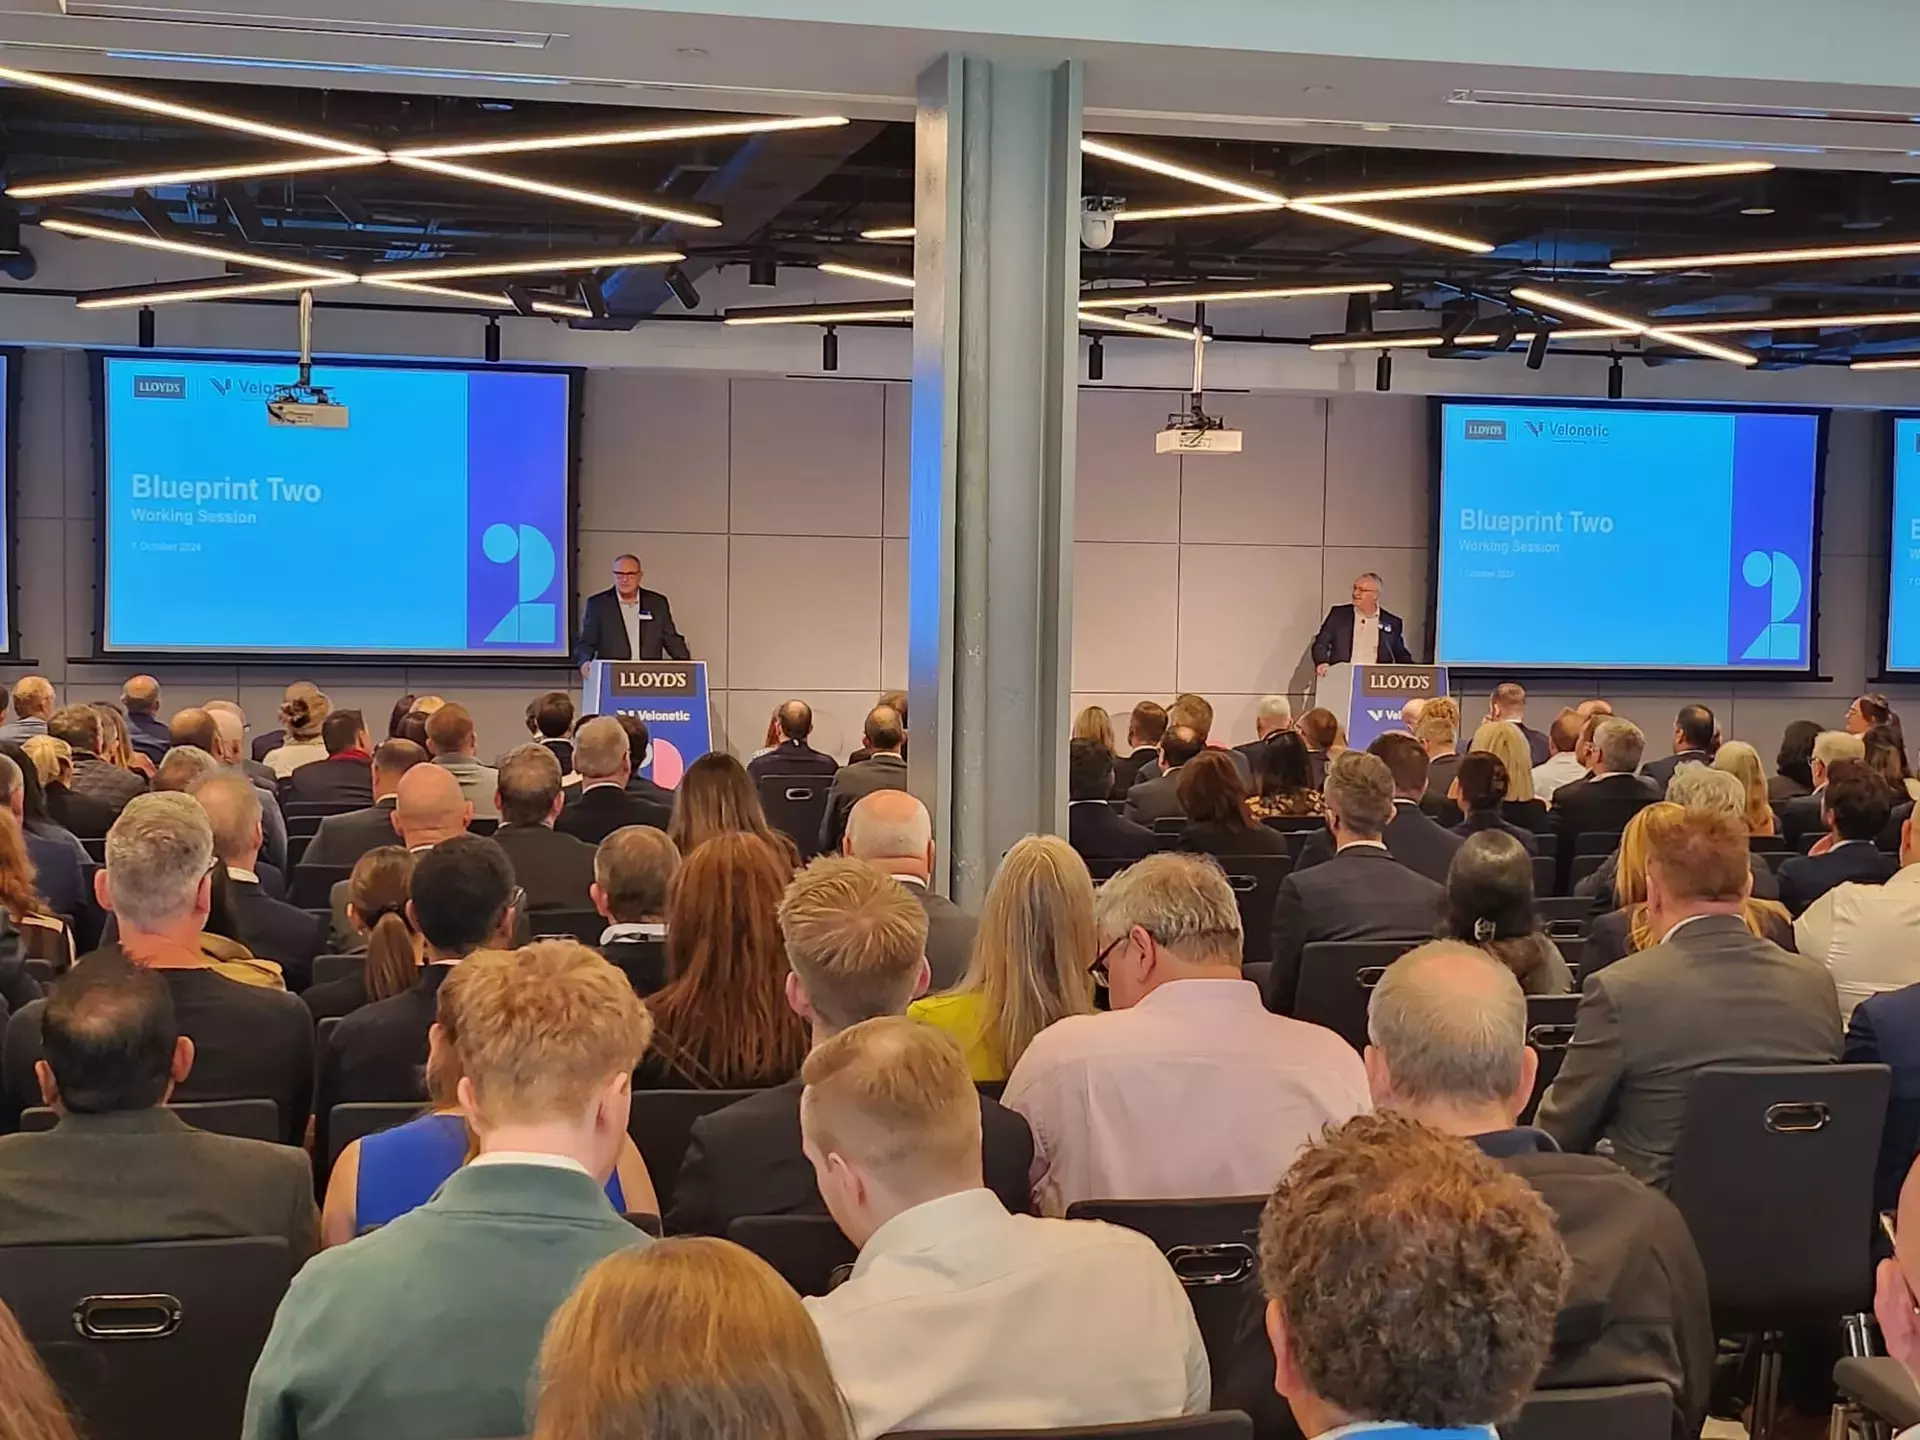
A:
(959, 1315)
(1189, 1087)
(1562, 766)
(1361, 633)
(1864, 934)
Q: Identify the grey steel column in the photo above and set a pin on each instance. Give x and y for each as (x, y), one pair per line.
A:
(995, 383)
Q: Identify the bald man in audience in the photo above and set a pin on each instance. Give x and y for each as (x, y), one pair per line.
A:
(960, 1315)
(343, 839)
(793, 755)
(890, 831)
(146, 731)
(429, 806)
(33, 703)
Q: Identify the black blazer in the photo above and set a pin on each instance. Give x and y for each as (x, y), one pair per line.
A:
(1488, 820)
(1360, 894)
(853, 784)
(378, 1053)
(343, 839)
(604, 637)
(274, 930)
(1211, 838)
(85, 815)
(642, 961)
(332, 780)
(1598, 803)
(746, 1160)
(1800, 816)
(1334, 644)
(792, 757)
(592, 815)
(1805, 878)
(1127, 768)
(1155, 799)
(554, 869)
(1412, 838)
(949, 937)
(1099, 834)
(1660, 771)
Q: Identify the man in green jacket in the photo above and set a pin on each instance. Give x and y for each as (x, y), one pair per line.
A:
(429, 1326)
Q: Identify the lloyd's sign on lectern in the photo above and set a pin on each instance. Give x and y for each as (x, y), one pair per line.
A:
(669, 695)
(1368, 698)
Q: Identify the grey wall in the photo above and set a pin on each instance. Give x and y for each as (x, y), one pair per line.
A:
(773, 512)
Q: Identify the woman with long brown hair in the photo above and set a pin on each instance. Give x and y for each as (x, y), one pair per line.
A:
(30, 1407)
(1219, 821)
(43, 934)
(377, 910)
(722, 1022)
(687, 1339)
(717, 797)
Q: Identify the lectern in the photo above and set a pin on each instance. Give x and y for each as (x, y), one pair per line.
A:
(1368, 698)
(669, 695)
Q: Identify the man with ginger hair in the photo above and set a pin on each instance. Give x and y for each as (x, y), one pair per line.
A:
(549, 1036)
(959, 1315)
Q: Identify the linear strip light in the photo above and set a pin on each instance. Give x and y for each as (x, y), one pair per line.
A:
(1184, 212)
(1771, 257)
(1393, 227)
(194, 247)
(889, 232)
(481, 297)
(658, 209)
(1546, 300)
(538, 266)
(102, 184)
(1578, 180)
(1141, 327)
(628, 135)
(207, 290)
(151, 105)
(819, 314)
(1150, 295)
(860, 272)
(1432, 342)
(1755, 324)
(1120, 155)
(1898, 362)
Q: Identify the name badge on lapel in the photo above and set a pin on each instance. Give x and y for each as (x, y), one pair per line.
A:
(644, 615)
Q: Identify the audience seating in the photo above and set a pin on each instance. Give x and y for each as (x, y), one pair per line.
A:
(1214, 1425)
(795, 805)
(41, 970)
(297, 849)
(311, 886)
(1602, 1412)
(1807, 841)
(1774, 1174)
(1169, 825)
(483, 825)
(1565, 917)
(1583, 866)
(1104, 870)
(586, 926)
(327, 968)
(248, 1119)
(1880, 1387)
(1549, 1032)
(1295, 824)
(149, 1342)
(356, 1121)
(1546, 875)
(96, 848)
(1595, 842)
(1211, 1245)
(1258, 972)
(316, 809)
(808, 1250)
(661, 1124)
(1769, 845)
(1255, 880)
(1336, 981)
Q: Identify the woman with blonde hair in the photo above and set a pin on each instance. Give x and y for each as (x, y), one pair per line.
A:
(687, 1339)
(302, 712)
(377, 911)
(1032, 957)
(1742, 761)
(1095, 724)
(1502, 739)
(717, 797)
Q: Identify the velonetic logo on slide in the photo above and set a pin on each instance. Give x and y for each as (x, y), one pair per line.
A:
(159, 387)
(1565, 430)
(1486, 429)
(240, 389)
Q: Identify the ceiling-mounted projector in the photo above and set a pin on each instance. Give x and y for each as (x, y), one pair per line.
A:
(304, 405)
(1194, 432)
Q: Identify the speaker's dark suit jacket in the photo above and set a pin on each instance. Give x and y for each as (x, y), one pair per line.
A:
(852, 785)
(1660, 772)
(792, 757)
(593, 814)
(554, 869)
(132, 1176)
(1713, 994)
(274, 930)
(1099, 834)
(333, 780)
(378, 1053)
(343, 839)
(603, 636)
(1362, 893)
(746, 1160)
(1412, 838)
(1805, 878)
(1334, 644)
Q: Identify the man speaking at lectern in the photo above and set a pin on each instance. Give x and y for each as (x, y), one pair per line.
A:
(1361, 633)
(628, 623)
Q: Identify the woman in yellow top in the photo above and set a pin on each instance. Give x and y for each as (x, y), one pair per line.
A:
(1032, 958)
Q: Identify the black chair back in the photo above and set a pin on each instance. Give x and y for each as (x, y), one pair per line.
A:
(1564, 917)
(1255, 880)
(1596, 842)
(328, 968)
(795, 805)
(808, 1250)
(1169, 825)
(1583, 866)
(1336, 981)
(1104, 870)
(1774, 1174)
(95, 846)
(1214, 1425)
(1769, 845)
(247, 1119)
(661, 1124)
(1882, 1387)
(149, 1342)
(1259, 972)
(1603, 1412)
(356, 1121)
(1213, 1248)
(483, 824)
(1546, 875)
(1296, 824)
(317, 809)
(1549, 1032)
(586, 926)
(312, 885)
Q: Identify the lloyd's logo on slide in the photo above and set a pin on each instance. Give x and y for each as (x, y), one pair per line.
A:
(1486, 430)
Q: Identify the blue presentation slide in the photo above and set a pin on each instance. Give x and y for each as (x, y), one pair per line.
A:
(434, 524)
(1903, 576)
(1624, 537)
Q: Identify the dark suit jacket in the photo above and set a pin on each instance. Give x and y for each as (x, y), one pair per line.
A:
(1155, 799)
(87, 816)
(1711, 995)
(333, 780)
(1127, 768)
(1412, 838)
(149, 735)
(853, 784)
(1805, 878)
(746, 1160)
(1490, 820)
(1597, 803)
(949, 937)
(140, 1175)
(343, 839)
(1099, 834)
(378, 1053)
(1885, 1030)
(274, 930)
(1334, 644)
(604, 637)
(641, 960)
(59, 874)
(792, 757)
(1782, 788)
(1800, 817)
(592, 815)
(1360, 894)
(1660, 771)
(1537, 745)
(1438, 807)
(554, 869)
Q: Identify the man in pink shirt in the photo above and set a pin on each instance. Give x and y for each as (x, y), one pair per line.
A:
(1189, 1087)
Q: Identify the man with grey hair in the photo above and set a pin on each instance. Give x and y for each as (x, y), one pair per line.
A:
(1273, 717)
(269, 927)
(1362, 892)
(59, 862)
(603, 757)
(248, 1040)
(32, 704)
(183, 767)
(1695, 787)
(1361, 633)
(1188, 1087)
(1608, 798)
(555, 870)
(890, 831)
(633, 871)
